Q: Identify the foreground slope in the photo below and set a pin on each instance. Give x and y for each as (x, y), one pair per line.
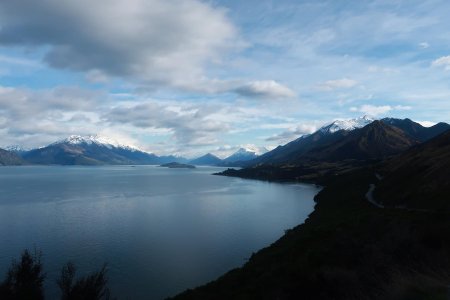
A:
(351, 249)
(418, 178)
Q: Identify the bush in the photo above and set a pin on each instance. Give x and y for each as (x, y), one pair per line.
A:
(24, 279)
(91, 287)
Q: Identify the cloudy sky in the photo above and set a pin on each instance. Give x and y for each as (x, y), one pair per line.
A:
(191, 76)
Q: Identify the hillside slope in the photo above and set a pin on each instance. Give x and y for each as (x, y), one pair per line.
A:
(418, 178)
(374, 141)
(351, 249)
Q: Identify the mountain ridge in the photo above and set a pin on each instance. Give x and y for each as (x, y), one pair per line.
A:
(206, 160)
(93, 150)
(335, 132)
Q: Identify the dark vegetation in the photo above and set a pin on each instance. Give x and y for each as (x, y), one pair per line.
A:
(349, 248)
(24, 281)
(175, 165)
(425, 169)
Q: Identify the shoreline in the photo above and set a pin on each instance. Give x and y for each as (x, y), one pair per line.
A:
(328, 257)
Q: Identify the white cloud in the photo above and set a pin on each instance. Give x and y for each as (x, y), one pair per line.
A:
(190, 125)
(443, 61)
(374, 110)
(402, 107)
(344, 83)
(155, 42)
(293, 133)
(424, 45)
(35, 118)
(97, 76)
(426, 123)
(265, 89)
(19, 61)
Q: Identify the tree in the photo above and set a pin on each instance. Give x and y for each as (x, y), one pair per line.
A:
(91, 287)
(24, 279)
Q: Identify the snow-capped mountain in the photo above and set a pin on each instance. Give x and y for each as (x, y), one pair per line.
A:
(347, 125)
(241, 155)
(244, 154)
(96, 140)
(16, 149)
(346, 139)
(93, 150)
(326, 135)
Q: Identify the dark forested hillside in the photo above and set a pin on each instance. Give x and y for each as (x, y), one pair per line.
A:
(418, 178)
(350, 248)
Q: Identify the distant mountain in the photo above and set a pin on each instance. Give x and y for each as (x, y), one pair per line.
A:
(418, 178)
(206, 160)
(92, 150)
(417, 131)
(171, 158)
(241, 155)
(8, 158)
(16, 149)
(347, 125)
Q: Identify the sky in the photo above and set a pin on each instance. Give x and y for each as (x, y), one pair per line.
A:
(188, 77)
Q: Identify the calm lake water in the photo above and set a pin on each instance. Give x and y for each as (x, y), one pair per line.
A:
(160, 230)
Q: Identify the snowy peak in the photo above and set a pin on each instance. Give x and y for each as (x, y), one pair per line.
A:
(253, 149)
(245, 154)
(242, 154)
(16, 149)
(94, 140)
(245, 151)
(347, 125)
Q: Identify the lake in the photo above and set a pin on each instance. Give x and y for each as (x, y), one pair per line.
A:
(160, 230)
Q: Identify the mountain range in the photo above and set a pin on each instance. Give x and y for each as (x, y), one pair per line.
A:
(343, 140)
(97, 150)
(206, 160)
(93, 150)
(357, 139)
